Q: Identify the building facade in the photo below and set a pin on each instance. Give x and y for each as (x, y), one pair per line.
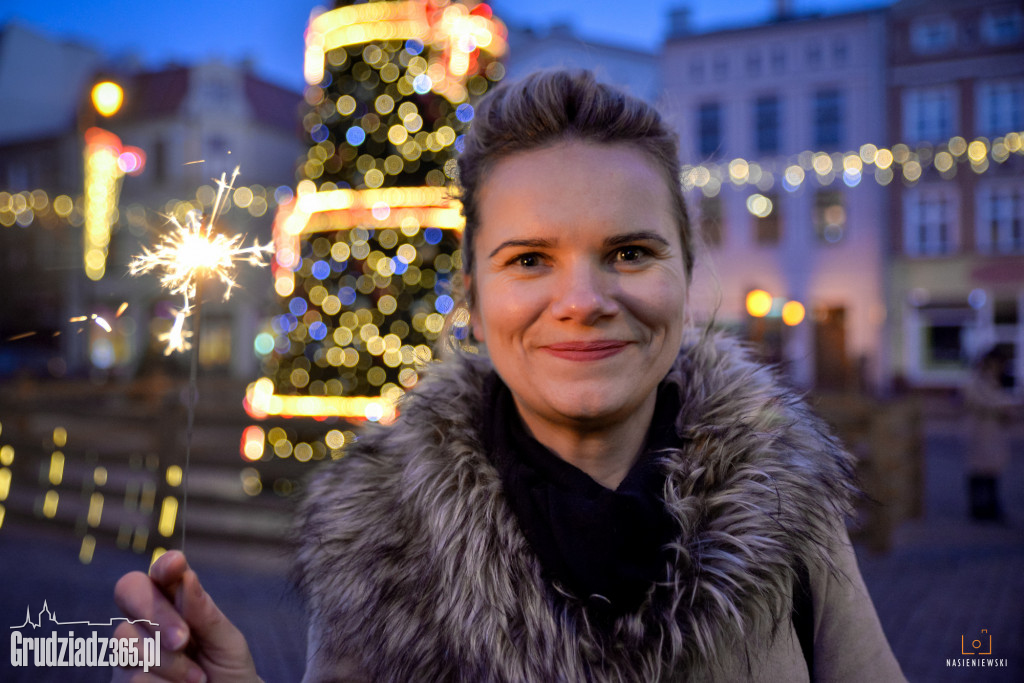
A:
(956, 114)
(771, 120)
(558, 47)
(191, 124)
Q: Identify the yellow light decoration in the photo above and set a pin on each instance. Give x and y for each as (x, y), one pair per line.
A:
(759, 303)
(85, 553)
(102, 185)
(324, 211)
(253, 439)
(261, 401)
(793, 313)
(168, 516)
(107, 98)
(455, 30)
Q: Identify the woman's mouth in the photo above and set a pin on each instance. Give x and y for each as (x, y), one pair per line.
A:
(585, 350)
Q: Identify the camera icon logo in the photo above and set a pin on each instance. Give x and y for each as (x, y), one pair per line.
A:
(976, 644)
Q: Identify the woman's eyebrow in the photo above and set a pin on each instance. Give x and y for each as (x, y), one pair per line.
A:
(530, 243)
(637, 236)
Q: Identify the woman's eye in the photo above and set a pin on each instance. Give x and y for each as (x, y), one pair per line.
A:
(527, 260)
(628, 254)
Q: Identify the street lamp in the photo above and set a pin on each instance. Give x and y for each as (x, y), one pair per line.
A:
(107, 98)
(106, 161)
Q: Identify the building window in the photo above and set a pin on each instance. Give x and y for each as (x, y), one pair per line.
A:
(944, 344)
(814, 55)
(720, 67)
(768, 228)
(828, 118)
(697, 71)
(766, 115)
(753, 63)
(929, 114)
(1000, 227)
(711, 220)
(158, 162)
(840, 51)
(1000, 107)
(709, 129)
(778, 59)
(932, 35)
(216, 151)
(1002, 26)
(945, 330)
(829, 215)
(929, 222)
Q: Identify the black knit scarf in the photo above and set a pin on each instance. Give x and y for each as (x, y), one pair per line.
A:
(605, 547)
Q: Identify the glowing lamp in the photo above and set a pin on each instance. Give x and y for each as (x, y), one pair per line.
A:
(107, 97)
(793, 313)
(253, 439)
(759, 303)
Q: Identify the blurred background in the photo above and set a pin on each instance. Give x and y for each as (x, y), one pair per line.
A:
(854, 169)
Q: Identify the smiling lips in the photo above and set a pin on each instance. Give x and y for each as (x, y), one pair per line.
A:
(585, 351)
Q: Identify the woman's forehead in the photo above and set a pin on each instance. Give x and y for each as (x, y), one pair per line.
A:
(572, 184)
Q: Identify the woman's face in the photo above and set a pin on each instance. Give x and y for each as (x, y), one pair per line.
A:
(579, 281)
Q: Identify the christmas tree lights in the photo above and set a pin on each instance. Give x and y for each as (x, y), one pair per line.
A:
(367, 253)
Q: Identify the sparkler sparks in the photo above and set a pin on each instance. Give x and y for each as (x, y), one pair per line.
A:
(177, 337)
(194, 250)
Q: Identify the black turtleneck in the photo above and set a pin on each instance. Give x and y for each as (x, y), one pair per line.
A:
(606, 547)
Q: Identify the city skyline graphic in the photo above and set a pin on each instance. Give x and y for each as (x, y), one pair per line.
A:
(53, 620)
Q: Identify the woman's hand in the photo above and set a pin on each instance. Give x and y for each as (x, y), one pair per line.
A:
(198, 643)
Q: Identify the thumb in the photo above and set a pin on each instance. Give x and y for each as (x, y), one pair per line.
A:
(219, 646)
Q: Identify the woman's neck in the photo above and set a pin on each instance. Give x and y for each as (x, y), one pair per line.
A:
(605, 451)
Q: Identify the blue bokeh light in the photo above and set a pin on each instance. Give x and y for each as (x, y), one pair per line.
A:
(347, 296)
(355, 136)
(321, 269)
(318, 330)
(297, 305)
(444, 304)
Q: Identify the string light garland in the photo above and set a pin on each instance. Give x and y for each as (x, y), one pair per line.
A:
(851, 167)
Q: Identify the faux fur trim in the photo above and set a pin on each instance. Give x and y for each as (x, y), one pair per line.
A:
(414, 566)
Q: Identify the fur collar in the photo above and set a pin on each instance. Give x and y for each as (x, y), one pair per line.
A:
(414, 566)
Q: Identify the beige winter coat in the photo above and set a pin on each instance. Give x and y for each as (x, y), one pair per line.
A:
(415, 569)
(989, 409)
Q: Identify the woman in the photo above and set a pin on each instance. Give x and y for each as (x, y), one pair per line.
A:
(603, 496)
(990, 409)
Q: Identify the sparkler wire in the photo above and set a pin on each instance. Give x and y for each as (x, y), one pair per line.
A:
(188, 254)
(193, 391)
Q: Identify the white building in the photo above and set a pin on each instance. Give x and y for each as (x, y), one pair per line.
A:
(193, 124)
(794, 99)
(558, 47)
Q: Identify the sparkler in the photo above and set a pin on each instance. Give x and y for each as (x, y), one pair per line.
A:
(185, 256)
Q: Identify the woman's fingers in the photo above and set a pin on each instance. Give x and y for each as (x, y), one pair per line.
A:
(174, 666)
(221, 647)
(138, 597)
(196, 637)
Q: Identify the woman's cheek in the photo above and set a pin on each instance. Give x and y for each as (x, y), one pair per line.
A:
(658, 301)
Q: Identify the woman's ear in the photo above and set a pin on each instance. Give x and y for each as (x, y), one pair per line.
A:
(475, 319)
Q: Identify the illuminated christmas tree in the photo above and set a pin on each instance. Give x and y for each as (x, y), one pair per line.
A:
(367, 254)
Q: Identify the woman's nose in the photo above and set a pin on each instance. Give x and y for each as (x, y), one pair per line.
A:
(584, 294)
